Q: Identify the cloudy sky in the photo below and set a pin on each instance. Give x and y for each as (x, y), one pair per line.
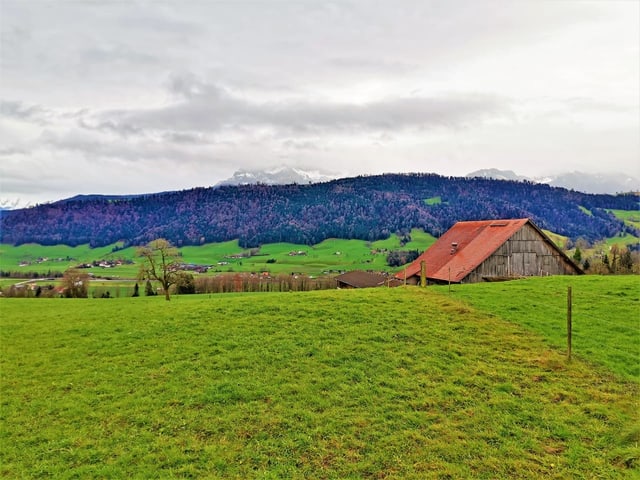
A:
(118, 97)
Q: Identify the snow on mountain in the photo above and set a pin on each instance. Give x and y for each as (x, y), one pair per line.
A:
(496, 174)
(279, 176)
(12, 204)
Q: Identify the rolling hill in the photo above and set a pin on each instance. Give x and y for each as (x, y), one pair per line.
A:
(366, 208)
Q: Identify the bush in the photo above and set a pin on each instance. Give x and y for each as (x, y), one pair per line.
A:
(185, 284)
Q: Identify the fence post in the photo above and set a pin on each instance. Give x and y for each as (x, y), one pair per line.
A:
(423, 273)
(569, 323)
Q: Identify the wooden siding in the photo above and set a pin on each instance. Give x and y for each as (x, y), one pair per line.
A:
(527, 253)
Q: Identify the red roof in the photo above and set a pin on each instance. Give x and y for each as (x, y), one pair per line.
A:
(463, 247)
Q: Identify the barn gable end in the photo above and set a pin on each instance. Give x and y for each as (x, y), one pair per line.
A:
(528, 252)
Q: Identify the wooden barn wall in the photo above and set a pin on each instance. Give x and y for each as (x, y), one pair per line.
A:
(525, 254)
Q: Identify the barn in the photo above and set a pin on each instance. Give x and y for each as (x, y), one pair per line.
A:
(490, 250)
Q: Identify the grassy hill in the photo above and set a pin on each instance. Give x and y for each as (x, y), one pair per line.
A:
(380, 383)
(332, 254)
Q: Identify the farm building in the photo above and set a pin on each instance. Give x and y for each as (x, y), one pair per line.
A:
(360, 279)
(490, 250)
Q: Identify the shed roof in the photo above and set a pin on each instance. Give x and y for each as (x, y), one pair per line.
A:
(360, 279)
(465, 246)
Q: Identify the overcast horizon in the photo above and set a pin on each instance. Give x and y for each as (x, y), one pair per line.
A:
(137, 97)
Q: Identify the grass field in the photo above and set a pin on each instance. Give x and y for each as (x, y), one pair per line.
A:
(630, 217)
(379, 383)
(332, 254)
(605, 314)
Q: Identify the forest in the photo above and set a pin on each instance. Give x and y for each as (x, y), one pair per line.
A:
(364, 207)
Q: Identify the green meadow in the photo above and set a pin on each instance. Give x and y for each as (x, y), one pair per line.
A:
(329, 255)
(403, 383)
(605, 313)
(630, 217)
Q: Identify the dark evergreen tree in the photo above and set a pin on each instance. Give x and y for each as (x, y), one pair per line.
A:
(577, 255)
(148, 289)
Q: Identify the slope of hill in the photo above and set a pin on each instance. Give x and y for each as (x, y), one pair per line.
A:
(367, 208)
(377, 383)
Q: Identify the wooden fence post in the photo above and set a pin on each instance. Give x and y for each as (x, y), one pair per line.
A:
(423, 273)
(569, 323)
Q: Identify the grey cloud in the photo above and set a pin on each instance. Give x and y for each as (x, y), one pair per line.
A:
(130, 131)
(92, 145)
(21, 111)
(185, 138)
(37, 114)
(110, 126)
(189, 86)
(391, 114)
(209, 108)
(10, 151)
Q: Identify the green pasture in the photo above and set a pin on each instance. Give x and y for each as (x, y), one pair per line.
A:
(630, 217)
(559, 240)
(331, 254)
(605, 314)
(54, 258)
(403, 383)
(585, 210)
(622, 240)
(434, 201)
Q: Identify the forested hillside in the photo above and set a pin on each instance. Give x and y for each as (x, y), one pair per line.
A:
(368, 208)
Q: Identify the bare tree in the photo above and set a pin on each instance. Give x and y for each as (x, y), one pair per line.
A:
(160, 263)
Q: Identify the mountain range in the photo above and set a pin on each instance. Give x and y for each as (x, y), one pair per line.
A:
(582, 182)
(283, 175)
(365, 207)
(579, 181)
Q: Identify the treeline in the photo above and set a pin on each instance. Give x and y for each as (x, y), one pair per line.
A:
(397, 258)
(238, 283)
(260, 283)
(366, 208)
(29, 274)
